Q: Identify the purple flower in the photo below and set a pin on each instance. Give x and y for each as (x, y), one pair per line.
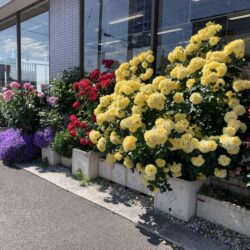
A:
(44, 137)
(53, 101)
(17, 147)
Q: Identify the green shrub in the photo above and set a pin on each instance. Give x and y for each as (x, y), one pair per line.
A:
(3, 122)
(52, 118)
(63, 143)
(62, 88)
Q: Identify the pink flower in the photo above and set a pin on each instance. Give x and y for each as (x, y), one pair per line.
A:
(41, 95)
(4, 89)
(15, 85)
(28, 85)
(53, 101)
(8, 95)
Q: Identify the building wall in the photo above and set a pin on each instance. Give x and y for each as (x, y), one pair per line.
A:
(64, 35)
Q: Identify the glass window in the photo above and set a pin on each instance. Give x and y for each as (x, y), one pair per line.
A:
(8, 52)
(173, 28)
(115, 30)
(35, 45)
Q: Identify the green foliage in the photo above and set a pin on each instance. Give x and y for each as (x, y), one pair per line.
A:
(62, 88)
(84, 181)
(50, 117)
(22, 110)
(63, 143)
(3, 122)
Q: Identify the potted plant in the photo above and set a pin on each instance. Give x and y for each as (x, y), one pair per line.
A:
(182, 127)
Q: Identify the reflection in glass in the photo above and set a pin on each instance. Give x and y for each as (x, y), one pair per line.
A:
(115, 30)
(35, 46)
(8, 50)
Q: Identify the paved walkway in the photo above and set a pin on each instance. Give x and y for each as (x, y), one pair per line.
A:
(35, 214)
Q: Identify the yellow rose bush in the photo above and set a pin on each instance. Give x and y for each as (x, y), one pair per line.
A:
(188, 123)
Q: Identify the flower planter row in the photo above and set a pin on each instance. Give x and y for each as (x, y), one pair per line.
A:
(54, 159)
(181, 202)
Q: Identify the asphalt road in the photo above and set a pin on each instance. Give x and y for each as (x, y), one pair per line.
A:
(35, 214)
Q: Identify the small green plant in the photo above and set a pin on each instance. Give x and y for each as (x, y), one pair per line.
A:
(45, 163)
(3, 121)
(63, 143)
(84, 181)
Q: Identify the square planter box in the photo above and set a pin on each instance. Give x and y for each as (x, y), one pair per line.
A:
(181, 201)
(119, 174)
(67, 162)
(105, 169)
(52, 157)
(87, 162)
(133, 181)
(224, 213)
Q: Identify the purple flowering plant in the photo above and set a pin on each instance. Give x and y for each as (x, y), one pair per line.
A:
(16, 146)
(44, 137)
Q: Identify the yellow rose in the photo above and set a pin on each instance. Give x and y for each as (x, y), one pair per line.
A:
(150, 170)
(221, 173)
(118, 156)
(144, 64)
(230, 116)
(110, 159)
(196, 98)
(230, 131)
(198, 161)
(224, 160)
(175, 168)
(139, 167)
(214, 40)
(160, 162)
(178, 97)
(129, 143)
(156, 101)
(127, 162)
(114, 138)
(190, 83)
(94, 136)
(101, 144)
(239, 110)
(150, 58)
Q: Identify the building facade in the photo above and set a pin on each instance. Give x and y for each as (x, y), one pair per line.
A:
(38, 39)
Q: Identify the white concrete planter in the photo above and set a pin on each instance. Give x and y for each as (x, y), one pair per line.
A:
(105, 169)
(181, 201)
(51, 156)
(67, 162)
(87, 162)
(224, 213)
(133, 181)
(119, 174)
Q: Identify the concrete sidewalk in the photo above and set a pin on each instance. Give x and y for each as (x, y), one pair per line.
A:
(35, 214)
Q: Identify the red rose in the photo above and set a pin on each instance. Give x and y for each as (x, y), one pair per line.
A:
(83, 125)
(77, 123)
(73, 118)
(107, 63)
(85, 84)
(93, 94)
(105, 83)
(248, 142)
(76, 86)
(71, 126)
(83, 141)
(72, 133)
(93, 118)
(237, 170)
(76, 105)
(94, 74)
